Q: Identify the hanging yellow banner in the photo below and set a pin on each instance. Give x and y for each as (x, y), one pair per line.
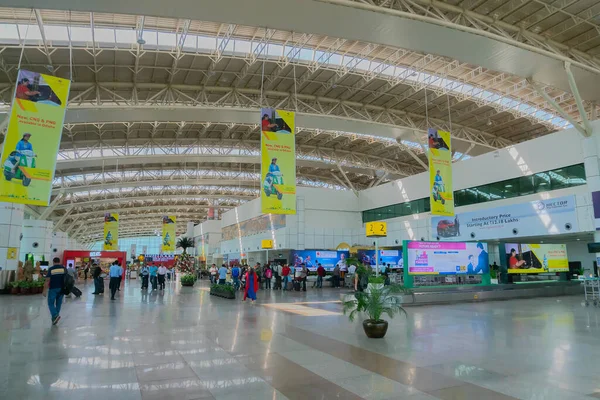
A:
(168, 234)
(278, 161)
(111, 232)
(33, 138)
(440, 173)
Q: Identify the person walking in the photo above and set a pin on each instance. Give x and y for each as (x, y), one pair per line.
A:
(213, 274)
(53, 288)
(145, 273)
(162, 272)
(277, 274)
(235, 275)
(303, 276)
(98, 280)
(222, 274)
(320, 275)
(153, 276)
(115, 273)
(71, 271)
(268, 276)
(336, 276)
(251, 285)
(86, 270)
(120, 276)
(285, 273)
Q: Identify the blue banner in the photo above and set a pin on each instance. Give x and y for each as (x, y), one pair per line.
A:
(392, 257)
(327, 258)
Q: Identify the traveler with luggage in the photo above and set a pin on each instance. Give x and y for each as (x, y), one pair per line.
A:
(98, 279)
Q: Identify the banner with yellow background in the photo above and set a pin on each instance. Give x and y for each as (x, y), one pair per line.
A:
(536, 258)
(111, 232)
(168, 234)
(33, 138)
(441, 195)
(278, 162)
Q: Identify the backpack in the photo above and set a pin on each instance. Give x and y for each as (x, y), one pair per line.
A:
(68, 284)
(268, 274)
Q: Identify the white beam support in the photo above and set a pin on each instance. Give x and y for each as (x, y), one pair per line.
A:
(62, 219)
(347, 180)
(582, 113)
(48, 210)
(557, 107)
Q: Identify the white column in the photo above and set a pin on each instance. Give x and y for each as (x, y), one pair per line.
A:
(37, 239)
(60, 242)
(592, 171)
(11, 220)
(301, 226)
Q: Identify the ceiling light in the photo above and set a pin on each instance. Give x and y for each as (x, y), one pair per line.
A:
(508, 186)
(543, 183)
(141, 41)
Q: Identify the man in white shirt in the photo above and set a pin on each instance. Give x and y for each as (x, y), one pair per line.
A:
(162, 272)
(213, 273)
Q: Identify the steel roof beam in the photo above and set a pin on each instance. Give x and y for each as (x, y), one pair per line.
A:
(421, 25)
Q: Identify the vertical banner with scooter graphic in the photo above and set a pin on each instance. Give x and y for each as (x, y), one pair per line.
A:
(278, 161)
(33, 138)
(111, 232)
(168, 234)
(440, 173)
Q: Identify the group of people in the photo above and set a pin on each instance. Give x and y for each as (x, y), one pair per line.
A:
(157, 275)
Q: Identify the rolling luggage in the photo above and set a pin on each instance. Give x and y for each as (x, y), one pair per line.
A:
(76, 292)
(297, 286)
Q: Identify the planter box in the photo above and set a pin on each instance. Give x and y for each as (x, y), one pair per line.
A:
(187, 283)
(222, 293)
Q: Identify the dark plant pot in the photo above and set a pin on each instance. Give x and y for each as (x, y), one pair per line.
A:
(222, 293)
(375, 329)
(15, 290)
(25, 290)
(38, 290)
(187, 283)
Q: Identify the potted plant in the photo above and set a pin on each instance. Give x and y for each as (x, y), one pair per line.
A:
(376, 302)
(188, 280)
(226, 291)
(39, 285)
(25, 287)
(15, 288)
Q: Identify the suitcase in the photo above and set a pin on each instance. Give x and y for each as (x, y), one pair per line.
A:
(297, 286)
(76, 292)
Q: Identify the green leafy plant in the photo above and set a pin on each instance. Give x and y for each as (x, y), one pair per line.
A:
(376, 302)
(24, 284)
(188, 279)
(15, 284)
(225, 288)
(185, 243)
(376, 279)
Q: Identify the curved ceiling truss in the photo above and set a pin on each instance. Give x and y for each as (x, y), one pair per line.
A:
(163, 110)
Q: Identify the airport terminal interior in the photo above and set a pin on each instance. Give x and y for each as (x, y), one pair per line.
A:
(301, 199)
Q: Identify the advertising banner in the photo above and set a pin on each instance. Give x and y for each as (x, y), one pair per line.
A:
(167, 245)
(540, 217)
(327, 258)
(111, 232)
(536, 258)
(392, 257)
(278, 161)
(447, 258)
(441, 195)
(253, 226)
(33, 138)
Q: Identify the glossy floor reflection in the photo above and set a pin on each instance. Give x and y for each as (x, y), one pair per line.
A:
(185, 344)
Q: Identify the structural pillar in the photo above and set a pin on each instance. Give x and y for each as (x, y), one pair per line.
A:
(37, 240)
(301, 225)
(591, 163)
(11, 222)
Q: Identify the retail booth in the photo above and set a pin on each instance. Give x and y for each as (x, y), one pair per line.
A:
(80, 258)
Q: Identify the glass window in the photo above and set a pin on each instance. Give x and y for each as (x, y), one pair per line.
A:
(541, 182)
(525, 185)
(573, 175)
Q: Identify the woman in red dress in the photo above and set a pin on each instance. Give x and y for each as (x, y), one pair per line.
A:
(251, 285)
